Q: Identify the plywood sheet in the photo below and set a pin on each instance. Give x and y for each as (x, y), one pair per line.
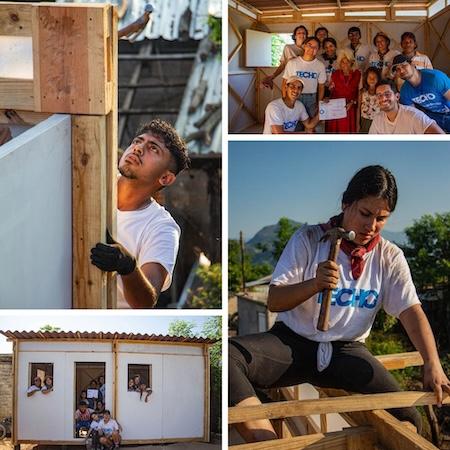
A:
(15, 19)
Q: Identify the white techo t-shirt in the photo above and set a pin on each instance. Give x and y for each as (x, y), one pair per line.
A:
(277, 113)
(384, 283)
(374, 61)
(409, 120)
(150, 235)
(108, 428)
(311, 73)
(290, 51)
(361, 55)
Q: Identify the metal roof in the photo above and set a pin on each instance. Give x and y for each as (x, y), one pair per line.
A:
(166, 17)
(83, 335)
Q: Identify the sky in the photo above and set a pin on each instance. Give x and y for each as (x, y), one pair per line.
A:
(120, 321)
(304, 181)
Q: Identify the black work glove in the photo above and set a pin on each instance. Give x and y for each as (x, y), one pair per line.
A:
(112, 257)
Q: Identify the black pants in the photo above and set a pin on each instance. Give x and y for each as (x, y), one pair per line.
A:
(280, 357)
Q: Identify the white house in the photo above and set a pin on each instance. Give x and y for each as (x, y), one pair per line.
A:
(176, 369)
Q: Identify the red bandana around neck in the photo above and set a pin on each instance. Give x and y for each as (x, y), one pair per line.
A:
(354, 251)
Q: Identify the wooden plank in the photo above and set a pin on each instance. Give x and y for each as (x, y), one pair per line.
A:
(16, 94)
(207, 391)
(15, 361)
(321, 441)
(112, 148)
(70, 58)
(15, 19)
(359, 402)
(89, 206)
(390, 432)
(400, 360)
(26, 117)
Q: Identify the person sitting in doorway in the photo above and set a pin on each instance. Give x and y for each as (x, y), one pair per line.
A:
(93, 431)
(283, 114)
(82, 418)
(101, 387)
(99, 409)
(92, 394)
(395, 118)
(109, 431)
(37, 386)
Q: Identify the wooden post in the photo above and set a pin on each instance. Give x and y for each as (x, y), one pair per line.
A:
(14, 436)
(114, 381)
(207, 407)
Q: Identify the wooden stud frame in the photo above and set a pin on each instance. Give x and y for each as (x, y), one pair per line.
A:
(74, 72)
(115, 350)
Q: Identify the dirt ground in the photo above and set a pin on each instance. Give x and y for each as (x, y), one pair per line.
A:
(6, 445)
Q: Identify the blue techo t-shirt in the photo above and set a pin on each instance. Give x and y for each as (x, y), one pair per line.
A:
(429, 94)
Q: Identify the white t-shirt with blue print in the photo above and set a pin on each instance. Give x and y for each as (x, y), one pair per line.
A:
(384, 283)
(311, 73)
(277, 113)
(430, 93)
(361, 54)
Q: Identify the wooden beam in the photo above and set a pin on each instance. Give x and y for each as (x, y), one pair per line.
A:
(358, 402)
(390, 432)
(16, 94)
(400, 360)
(89, 205)
(207, 391)
(293, 5)
(112, 147)
(337, 440)
(15, 19)
(25, 117)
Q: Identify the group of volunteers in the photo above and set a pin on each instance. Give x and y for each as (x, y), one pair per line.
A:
(386, 91)
(93, 421)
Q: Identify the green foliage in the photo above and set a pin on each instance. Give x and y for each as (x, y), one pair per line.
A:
(277, 49)
(252, 271)
(284, 233)
(209, 294)
(215, 33)
(384, 322)
(428, 251)
(181, 327)
(49, 328)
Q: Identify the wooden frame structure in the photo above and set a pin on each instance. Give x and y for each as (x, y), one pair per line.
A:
(371, 427)
(251, 99)
(115, 340)
(74, 72)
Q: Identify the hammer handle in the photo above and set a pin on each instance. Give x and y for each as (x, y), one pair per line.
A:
(324, 315)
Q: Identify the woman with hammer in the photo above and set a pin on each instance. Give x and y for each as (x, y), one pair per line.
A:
(327, 299)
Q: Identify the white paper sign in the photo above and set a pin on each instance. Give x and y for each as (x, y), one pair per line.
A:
(92, 393)
(333, 109)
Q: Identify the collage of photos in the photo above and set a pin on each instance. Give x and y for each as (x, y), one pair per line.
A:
(174, 277)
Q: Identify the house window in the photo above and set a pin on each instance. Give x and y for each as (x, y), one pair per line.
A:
(139, 377)
(40, 378)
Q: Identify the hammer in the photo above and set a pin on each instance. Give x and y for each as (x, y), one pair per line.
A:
(335, 236)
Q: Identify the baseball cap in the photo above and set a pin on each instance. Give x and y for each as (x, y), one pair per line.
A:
(294, 78)
(399, 59)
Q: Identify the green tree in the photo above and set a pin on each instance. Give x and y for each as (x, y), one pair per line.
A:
(252, 271)
(428, 251)
(284, 232)
(209, 294)
(49, 328)
(181, 327)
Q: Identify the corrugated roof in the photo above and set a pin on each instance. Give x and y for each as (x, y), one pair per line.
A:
(81, 335)
(170, 18)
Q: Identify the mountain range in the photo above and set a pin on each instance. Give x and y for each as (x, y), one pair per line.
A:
(260, 246)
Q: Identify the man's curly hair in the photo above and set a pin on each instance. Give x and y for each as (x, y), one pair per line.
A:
(172, 140)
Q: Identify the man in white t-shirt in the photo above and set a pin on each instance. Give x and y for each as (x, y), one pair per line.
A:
(312, 73)
(109, 431)
(147, 235)
(283, 114)
(360, 51)
(395, 118)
